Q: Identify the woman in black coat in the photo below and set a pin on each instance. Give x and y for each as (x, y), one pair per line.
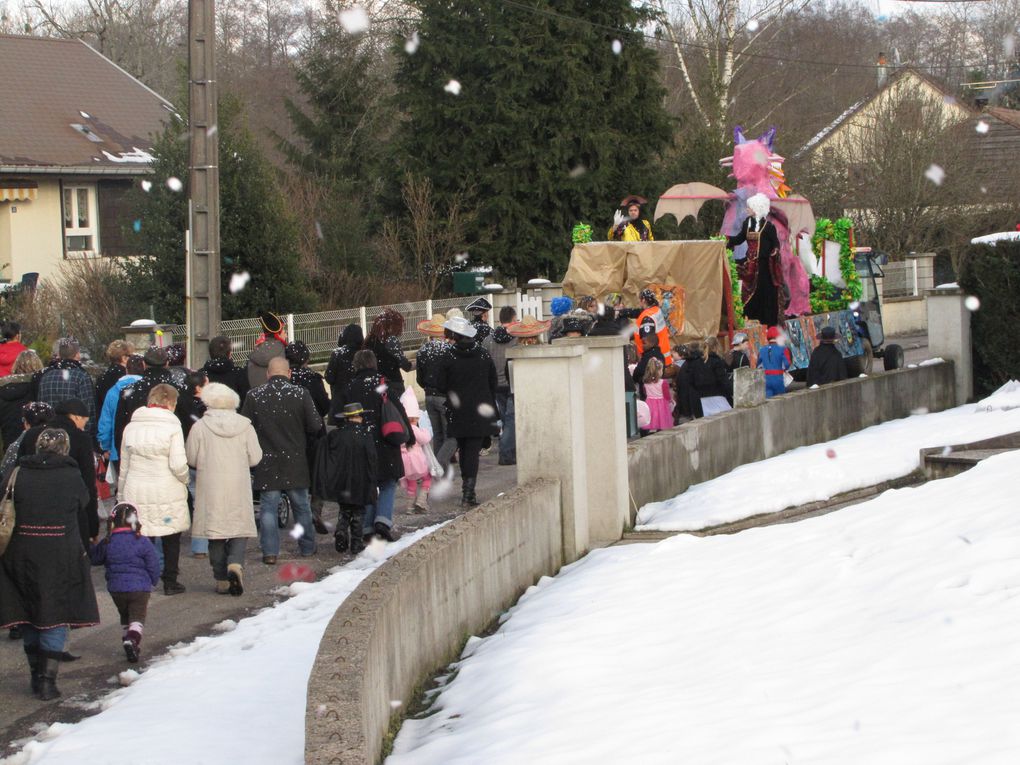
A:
(467, 377)
(45, 577)
(384, 341)
(14, 395)
(368, 388)
(340, 369)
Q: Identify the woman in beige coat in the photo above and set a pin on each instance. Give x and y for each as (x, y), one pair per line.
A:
(154, 477)
(222, 447)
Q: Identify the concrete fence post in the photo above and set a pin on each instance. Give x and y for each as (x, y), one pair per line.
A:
(363, 319)
(605, 435)
(949, 336)
(548, 384)
(428, 308)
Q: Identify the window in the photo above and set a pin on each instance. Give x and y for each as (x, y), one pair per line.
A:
(81, 236)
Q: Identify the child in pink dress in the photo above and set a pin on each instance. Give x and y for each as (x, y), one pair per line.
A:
(658, 396)
(416, 480)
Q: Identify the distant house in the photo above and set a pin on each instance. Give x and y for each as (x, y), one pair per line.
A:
(76, 134)
(993, 146)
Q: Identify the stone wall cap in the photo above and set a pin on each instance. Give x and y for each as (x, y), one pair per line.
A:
(944, 292)
(601, 341)
(558, 350)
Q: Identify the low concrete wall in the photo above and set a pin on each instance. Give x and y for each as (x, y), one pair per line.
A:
(904, 316)
(410, 617)
(667, 463)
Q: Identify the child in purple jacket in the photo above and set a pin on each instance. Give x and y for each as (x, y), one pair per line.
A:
(132, 570)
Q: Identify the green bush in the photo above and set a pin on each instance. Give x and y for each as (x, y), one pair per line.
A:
(992, 274)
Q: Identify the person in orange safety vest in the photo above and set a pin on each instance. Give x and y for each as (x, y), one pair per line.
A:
(652, 314)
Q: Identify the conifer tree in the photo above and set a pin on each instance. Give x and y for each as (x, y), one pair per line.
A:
(558, 116)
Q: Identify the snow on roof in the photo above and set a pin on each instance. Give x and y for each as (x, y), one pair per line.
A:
(1002, 236)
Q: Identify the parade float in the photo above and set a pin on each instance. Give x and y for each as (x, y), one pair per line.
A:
(828, 280)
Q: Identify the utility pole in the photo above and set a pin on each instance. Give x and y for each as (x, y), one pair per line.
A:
(203, 256)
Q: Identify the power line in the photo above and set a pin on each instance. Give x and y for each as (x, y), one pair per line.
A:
(696, 46)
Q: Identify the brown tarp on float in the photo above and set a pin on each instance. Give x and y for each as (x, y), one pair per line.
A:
(598, 268)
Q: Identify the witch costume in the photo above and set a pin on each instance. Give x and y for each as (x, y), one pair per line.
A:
(761, 277)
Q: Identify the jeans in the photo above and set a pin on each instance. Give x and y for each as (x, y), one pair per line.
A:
(199, 546)
(269, 532)
(223, 552)
(51, 640)
(508, 436)
(382, 511)
(435, 407)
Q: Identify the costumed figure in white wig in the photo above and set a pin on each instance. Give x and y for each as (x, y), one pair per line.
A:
(762, 287)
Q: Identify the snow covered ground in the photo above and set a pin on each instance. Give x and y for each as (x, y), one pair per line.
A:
(883, 633)
(236, 697)
(818, 472)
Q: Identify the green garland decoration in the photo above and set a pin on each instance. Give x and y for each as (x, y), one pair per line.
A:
(581, 233)
(738, 302)
(826, 296)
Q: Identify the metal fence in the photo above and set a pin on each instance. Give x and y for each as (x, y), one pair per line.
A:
(321, 330)
(908, 278)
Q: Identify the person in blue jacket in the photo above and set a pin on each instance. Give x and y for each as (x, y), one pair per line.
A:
(132, 570)
(775, 360)
(108, 413)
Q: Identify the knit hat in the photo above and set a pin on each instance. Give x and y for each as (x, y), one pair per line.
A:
(560, 305)
(271, 323)
(648, 296)
(36, 413)
(577, 321)
(297, 353)
(155, 356)
(772, 333)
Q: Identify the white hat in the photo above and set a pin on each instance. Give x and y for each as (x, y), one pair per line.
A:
(458, 325)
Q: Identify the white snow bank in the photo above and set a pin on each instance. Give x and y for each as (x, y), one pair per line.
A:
(1006, 397)
(1002, 236)
(883, 633)
(808, 474)
(235, 697)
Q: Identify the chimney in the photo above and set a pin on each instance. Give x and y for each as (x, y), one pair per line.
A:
(883, 69)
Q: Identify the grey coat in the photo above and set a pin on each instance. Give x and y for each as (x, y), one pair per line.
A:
(283, 415)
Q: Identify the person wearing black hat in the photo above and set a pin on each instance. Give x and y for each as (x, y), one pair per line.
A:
(479, 309)
(136, 395)
(347, 473)
(298, 356)
(827, 364)
(72, 416)
(271, 345)
(628, 225)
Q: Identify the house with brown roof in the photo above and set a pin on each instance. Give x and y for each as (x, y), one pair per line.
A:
(77, 131)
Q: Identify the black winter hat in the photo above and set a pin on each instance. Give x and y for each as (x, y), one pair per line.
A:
(155, 356)
(297, 353)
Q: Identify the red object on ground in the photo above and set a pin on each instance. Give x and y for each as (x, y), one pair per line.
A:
(830, 453)
(295, 572)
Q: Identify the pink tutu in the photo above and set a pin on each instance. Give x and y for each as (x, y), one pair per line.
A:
(660, 404)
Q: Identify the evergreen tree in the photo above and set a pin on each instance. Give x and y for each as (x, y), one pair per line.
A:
(340, 134)
(257, 234)
(554, 122)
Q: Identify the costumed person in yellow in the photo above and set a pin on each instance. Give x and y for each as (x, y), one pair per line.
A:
(762, 288)
(628, 225)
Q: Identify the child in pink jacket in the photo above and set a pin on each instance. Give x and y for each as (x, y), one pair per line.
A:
(417, 479)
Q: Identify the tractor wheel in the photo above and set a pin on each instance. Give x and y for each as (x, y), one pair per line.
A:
(862, 364)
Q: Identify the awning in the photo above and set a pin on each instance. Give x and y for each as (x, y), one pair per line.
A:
(18, 191)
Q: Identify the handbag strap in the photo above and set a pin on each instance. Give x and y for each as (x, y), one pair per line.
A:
(9, 492)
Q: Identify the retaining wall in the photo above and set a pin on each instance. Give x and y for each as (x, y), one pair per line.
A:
(667, 463)
(411, 616)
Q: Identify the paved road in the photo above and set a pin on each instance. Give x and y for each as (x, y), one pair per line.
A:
(183, 617)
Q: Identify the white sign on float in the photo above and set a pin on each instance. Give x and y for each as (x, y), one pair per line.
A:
(830, 263)
(806, 253)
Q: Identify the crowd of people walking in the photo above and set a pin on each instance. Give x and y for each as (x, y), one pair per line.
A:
(114, 469)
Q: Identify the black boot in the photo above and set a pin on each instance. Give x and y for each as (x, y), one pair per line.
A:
(468, 498)
(356, 528)
(34, 662)
(49, 666)
(341, 538)
(386, 532)
(173, 587)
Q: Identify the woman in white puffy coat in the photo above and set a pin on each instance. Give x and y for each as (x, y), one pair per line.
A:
(154, 477)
